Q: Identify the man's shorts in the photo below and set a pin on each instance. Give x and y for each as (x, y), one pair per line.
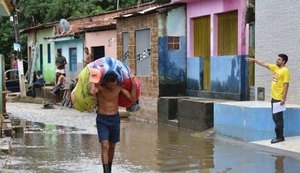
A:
(108, 127)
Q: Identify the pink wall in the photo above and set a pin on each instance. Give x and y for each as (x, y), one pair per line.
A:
(108, 39)
(208, 7)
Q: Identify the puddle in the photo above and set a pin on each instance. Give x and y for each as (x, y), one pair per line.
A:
(144, 147)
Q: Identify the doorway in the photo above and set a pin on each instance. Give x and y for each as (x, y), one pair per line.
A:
(98, 52)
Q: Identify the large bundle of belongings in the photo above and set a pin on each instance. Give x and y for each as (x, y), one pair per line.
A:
(95, 72)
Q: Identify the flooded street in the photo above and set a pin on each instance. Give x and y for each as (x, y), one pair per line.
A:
(68, 142)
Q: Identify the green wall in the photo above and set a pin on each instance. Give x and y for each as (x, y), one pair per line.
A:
(48, 63)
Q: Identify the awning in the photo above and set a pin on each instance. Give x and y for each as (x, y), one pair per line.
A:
(5, 8)
(57, 39)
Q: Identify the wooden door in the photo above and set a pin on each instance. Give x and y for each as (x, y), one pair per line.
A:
(202, 46)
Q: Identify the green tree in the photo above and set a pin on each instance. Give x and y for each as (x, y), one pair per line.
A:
(7, 37)
(32, 12)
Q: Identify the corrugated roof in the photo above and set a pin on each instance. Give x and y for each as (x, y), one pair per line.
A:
(37, 27)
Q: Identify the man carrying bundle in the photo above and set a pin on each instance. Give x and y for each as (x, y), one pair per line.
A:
(108, 118)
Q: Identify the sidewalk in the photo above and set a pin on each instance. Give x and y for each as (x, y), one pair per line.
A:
(291, 144)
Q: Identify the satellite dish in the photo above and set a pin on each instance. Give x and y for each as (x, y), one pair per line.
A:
(65, 26)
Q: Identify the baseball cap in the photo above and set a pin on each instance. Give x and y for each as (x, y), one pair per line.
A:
(95, 75)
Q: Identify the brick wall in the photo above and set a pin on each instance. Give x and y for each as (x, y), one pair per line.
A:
(278, 31)
(150, 92)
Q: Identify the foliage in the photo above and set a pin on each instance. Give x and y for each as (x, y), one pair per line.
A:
(32, 12)
(6, 37)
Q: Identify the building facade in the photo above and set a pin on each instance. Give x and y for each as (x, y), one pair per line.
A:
(216, 49)
(155, 51)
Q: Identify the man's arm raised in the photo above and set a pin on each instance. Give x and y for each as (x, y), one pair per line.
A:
(259, 62)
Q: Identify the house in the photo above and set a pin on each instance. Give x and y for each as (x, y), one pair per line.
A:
(216, 49)
(45, 40)
(98, 33)
(40, 52)
(153, 43)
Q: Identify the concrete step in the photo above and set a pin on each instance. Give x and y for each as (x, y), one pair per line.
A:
(173, 122)
(5, 145)
(7, 127)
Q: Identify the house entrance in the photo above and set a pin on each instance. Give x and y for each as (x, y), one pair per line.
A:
(98, 52)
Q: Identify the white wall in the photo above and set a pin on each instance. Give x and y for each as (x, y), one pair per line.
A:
(278, 31)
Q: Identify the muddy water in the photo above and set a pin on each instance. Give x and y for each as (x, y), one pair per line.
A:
(144, 147)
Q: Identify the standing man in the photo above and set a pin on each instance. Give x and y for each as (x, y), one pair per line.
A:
(14, 65)
(279, 90)
(87, 57)
(60, 62)
(108, 118)
(14, 62)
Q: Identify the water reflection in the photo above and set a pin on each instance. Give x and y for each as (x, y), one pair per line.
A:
(54, 148)
(181, 152)
(279, 166)
(144, 147)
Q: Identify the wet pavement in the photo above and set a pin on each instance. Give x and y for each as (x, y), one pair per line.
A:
(65, 140)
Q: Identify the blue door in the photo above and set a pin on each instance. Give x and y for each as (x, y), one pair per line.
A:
(73, 59)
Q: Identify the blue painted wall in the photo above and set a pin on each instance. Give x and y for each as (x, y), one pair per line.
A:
(172, 63)
(171, 68)
(253, 123)
(229, 75)
(195, 73)
(65, 46)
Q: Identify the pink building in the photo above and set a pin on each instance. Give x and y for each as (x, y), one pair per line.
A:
(216, 47)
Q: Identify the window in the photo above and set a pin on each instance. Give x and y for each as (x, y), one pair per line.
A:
(125, 52)
(41, 58)
(98, 52)
(143, 52)
(173, 43)
(49, 53)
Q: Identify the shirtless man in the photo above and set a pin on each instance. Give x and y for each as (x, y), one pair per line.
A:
(108, 119)
(59, 86)
(87, 57)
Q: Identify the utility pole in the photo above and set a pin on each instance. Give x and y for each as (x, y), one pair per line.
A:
(19, 55)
